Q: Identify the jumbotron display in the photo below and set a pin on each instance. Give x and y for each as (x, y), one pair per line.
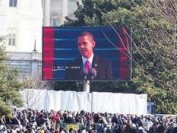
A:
(86, 53)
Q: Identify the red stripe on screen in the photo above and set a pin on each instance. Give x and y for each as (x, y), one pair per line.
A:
(48, 53)
(124, 68)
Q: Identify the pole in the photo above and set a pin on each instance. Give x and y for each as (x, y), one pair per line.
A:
(86, 86)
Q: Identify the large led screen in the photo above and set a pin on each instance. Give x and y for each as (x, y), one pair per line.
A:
(86, 53)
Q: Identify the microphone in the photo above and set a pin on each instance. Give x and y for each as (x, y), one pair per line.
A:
(84, 73)
(92, 73)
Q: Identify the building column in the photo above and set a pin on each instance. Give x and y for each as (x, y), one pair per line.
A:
(64, 10)
(46, 12)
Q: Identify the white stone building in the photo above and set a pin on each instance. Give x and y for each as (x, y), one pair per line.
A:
(21, 23)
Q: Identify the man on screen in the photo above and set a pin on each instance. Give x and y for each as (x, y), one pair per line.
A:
(88, 66)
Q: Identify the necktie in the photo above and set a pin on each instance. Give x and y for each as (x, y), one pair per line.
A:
(87, 65)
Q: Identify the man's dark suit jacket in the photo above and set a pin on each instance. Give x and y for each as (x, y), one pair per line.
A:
(102, 67)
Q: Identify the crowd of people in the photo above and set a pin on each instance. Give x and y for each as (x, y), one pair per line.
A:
(34, 121)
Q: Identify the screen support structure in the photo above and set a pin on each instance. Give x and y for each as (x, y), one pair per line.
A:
(86, 86)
